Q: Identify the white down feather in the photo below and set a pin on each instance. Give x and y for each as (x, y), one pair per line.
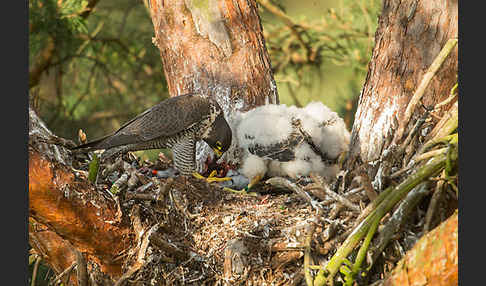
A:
(270, 124)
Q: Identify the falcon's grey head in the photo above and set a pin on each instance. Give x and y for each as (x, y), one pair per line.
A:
(219, 138)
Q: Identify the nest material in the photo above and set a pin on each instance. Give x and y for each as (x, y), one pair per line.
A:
(190, 232)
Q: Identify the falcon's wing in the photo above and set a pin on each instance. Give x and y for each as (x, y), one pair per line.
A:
(167, 118)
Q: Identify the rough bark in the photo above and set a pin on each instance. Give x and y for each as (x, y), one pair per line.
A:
(214, 47)
(409, 36)
(217, 49)
(66, 213)
(432, 261)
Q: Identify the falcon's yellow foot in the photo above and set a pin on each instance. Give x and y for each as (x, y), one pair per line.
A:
(211, 177)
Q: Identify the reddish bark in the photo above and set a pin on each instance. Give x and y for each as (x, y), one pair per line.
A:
(239, 75)
(70, 207)
(432, 261)
(57, 252)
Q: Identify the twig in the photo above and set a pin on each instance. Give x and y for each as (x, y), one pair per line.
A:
(284, 183)
(442, 129)
(399, 172)
(156, 240)
(289, 23)
(42, 63)
(140, 262)
(396, 221)
(394, 194)
(293, 95)
(364, 247)
(449, 99)
(307, 253)
(81, 269)
(412, 133)
(287, 246)
(44, 60)
(65, 272)
(141, 196)
(434, 67)
(321, 185)
(430, 154)
(372, 206)
(368, 187)
(435, 141)
(433, 204)
(328, 201)
(34, 272)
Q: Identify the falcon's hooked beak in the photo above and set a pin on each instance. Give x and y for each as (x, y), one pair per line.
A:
(217, 152)
(218, 149)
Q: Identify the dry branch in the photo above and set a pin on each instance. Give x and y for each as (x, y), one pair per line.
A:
(397, 219)
(320, 184)
(436, 64)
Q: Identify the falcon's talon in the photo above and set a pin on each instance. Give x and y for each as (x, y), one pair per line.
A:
(211, 178)
(213, 173)
(198, 176)
(216, 179)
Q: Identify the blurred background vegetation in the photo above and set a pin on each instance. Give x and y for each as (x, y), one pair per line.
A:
(96, 68)
(92, 64)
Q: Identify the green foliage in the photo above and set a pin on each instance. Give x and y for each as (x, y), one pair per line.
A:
(94, 166)
(320, 53)
(104, 69)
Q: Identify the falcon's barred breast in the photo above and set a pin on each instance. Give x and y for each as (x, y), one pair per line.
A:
(277, 140)
(176, 123)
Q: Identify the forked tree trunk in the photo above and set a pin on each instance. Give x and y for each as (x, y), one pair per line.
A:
(214, 47)
(409, 37)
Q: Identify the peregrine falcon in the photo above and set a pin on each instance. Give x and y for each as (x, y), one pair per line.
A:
(176, 123)
(277, 140)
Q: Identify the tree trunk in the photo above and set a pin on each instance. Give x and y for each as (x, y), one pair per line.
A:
(214, 47)
(409, 37)
(67, 216)
(432, 261)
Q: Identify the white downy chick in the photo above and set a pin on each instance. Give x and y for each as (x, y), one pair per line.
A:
(267, 142)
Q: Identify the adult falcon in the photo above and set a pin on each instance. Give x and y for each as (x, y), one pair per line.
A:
(176, 123)
(277, 140)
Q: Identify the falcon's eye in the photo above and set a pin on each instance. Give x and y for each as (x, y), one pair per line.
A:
(219, 145)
